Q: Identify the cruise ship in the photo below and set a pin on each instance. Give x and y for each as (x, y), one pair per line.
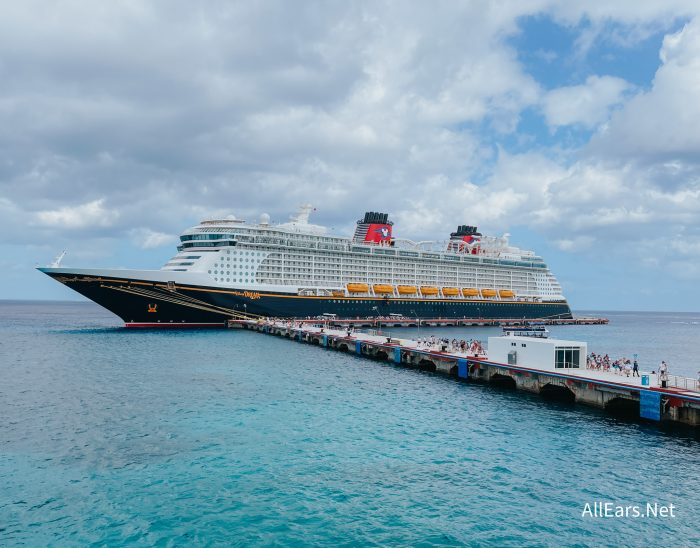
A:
(230, 268)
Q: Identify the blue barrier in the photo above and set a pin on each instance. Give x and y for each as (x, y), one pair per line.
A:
(462, 369)
(650, 405)
(358, 347)
(325, 340)
(397, 355)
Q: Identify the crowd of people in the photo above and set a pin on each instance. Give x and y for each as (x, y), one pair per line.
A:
(625, 366)
(471, 346)
(620, 366)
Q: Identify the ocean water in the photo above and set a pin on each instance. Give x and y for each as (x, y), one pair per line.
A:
(117, 437)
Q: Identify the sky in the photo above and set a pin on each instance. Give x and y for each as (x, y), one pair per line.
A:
(572, 126)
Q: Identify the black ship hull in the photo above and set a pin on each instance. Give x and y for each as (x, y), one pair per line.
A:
(144, 303)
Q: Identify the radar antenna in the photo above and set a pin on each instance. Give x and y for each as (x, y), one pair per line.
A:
(302, 216)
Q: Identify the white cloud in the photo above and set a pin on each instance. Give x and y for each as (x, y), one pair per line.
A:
(164, 113)
(661, 124)
(576, 244)
(88, 215)
(145, 238)
(588, 104)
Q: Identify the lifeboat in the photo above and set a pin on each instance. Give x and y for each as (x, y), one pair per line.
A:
(407, 289)
(450, 291)
(506, 293)
(428, 290)
(383, 289)
(358, 288)
(338, 293)
(470, 292)
(488, 292)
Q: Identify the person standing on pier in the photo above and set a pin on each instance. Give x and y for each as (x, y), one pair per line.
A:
(635, 368)
(663, 373)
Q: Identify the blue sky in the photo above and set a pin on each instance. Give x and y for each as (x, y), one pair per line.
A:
(572, 126)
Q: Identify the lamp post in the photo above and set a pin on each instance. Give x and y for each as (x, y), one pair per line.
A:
(417, 321)
(379, 322)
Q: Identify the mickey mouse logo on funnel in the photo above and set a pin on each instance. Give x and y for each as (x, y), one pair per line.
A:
(378, 233)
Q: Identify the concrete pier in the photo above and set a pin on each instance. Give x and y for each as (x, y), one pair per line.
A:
(605, 390)
(379, 322)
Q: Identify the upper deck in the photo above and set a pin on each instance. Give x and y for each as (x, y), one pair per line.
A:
(230, 232)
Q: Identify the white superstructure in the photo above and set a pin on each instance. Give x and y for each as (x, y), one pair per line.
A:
(301, 258)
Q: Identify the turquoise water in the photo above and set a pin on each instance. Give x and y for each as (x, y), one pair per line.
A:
(116, 437)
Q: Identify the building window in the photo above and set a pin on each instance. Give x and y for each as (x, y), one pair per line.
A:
(567, 357)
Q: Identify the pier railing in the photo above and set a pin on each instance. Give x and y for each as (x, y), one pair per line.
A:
(683, 383)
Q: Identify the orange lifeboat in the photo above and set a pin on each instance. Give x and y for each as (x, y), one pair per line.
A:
(338, 293)
(506, 293)
(383, 289)
(358, 288)
(488, 292)
(428, 290)
(450, 291)
(407, 289)
(470, 292)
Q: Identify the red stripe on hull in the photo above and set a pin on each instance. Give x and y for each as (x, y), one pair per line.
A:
(173, 325)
